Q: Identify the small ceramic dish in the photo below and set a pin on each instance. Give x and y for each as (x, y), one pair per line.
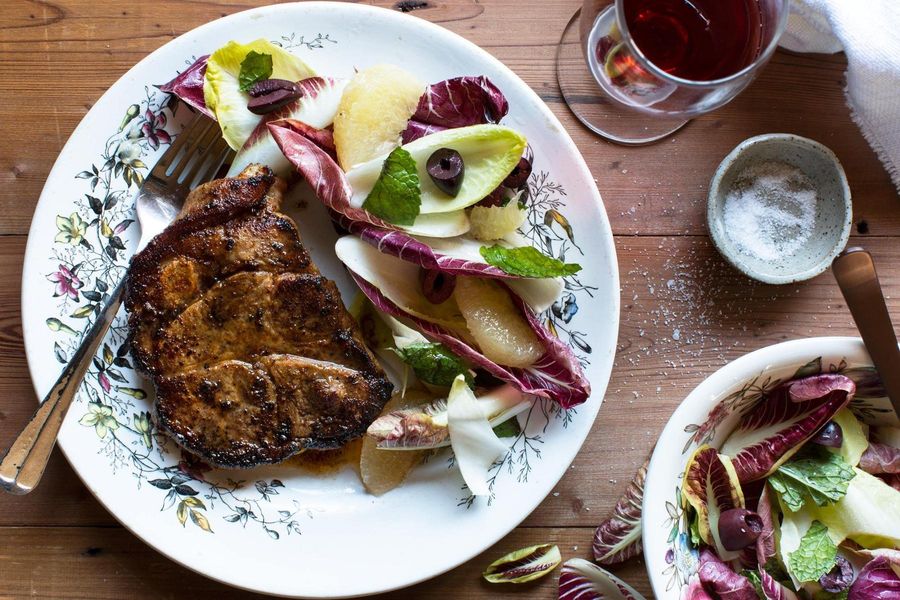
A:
(710, 413)
(831, 223)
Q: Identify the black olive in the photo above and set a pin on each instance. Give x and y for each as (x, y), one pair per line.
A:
(437, 286)
(267, 86)
(738, 528)
(839, 577)
(830, 435)
(446, 168)
(495, 198)
(519, 175)
(271, 94)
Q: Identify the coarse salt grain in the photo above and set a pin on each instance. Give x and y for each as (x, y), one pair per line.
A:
(770, 210)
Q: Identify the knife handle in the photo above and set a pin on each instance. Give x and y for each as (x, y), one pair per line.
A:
(855, 272)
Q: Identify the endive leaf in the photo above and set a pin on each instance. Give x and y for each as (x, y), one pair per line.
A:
(710, 485)
(474, 443)
(581, 580)
(526, 564)
(618, 538)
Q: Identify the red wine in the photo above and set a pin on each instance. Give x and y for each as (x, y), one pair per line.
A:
(699, 40)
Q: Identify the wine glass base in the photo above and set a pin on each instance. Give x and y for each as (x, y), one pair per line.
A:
(587, 101)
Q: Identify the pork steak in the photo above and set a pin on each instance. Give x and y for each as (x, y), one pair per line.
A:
(251, 351)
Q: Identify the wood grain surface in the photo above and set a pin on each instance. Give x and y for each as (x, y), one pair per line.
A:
(684, 311)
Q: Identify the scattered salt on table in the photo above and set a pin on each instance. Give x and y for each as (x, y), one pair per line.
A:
(770, 210)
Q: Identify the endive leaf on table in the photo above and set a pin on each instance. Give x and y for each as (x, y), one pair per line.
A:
(474, 443)
(582, 580)
(526, 564)
(618, 538)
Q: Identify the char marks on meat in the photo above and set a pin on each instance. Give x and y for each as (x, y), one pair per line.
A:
(252, 353)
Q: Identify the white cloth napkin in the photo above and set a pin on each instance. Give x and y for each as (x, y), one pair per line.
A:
(868, 31)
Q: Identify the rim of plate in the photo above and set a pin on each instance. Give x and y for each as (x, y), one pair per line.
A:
(694, 409)
(34, 253)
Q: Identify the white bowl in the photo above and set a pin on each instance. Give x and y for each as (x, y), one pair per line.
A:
(834, 209)
(708, 415)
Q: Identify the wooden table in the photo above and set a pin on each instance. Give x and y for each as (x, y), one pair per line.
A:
(58, 56)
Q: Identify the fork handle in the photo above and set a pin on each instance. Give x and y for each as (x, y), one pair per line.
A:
(24, 462)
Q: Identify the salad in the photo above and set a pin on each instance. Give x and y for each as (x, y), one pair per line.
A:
(429, 190)
(801, 500)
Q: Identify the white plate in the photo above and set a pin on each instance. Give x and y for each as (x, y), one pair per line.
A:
(709, 414)
(286, 531)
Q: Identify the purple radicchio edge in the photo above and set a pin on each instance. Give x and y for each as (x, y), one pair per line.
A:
(719, 581)
(880, 459)
(618, 538)
(876, 581)
(803, 406)
(330, 186)
(188, 86)
(457, 102)
(556, 375)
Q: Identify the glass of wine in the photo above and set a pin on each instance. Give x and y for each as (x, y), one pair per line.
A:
(635, 71)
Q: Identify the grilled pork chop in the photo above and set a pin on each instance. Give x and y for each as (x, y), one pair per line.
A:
(251, 351)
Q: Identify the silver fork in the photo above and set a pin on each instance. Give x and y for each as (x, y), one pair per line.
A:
(194, 157)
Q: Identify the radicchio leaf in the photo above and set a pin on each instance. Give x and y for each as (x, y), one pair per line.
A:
(839, 577)
(765, 543)
(526, 564)
(710, 485)
(404, 246)
(772, 589)
(556, 375)
(618, 538)
(772, 430)
(458, 256)
(456, 102)
(425, 426)
(321, 171)
(880, 459)
(188, 86)
(876, 581)
(582, 580)
(720, 581)
(309, 115)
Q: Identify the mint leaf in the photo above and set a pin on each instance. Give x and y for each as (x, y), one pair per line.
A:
(256, 66)
(815, 556)
(434, 363)
(396, 195)
(526, 262)
(822, 477)
(508, 428)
